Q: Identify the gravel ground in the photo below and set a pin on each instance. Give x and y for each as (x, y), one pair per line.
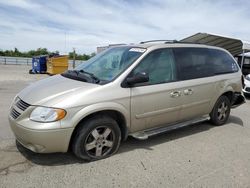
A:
(195, 156)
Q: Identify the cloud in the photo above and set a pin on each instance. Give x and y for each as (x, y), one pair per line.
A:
(87, 24)
(25, 4)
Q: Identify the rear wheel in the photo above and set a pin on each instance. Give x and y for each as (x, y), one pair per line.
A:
(98, 138)
(221, 111)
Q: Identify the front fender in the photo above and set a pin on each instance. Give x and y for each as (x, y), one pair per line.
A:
(85, 111)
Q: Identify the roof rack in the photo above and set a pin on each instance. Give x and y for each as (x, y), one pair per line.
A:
(165, 41)
(171, 41)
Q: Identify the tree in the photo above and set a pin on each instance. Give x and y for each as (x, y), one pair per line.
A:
(1, 53)
(71, 55)
(92, 54)
(41, 51)
(16, 52)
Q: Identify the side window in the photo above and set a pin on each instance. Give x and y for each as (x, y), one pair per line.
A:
(222, 62)
(159, 65)
(192, 63)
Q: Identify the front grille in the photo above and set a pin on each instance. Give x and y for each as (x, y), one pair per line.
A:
(22, 105)
(248, 89)
(18, 108)
(15, 114)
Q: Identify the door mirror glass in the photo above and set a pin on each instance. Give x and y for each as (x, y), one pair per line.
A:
(139, 77)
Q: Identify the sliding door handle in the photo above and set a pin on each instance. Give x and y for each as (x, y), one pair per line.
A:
(188, 92)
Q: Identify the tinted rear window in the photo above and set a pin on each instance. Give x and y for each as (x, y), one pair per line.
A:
(222, 62)
(192, 63)
(202, 62)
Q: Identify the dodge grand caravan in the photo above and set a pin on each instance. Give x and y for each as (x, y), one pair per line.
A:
(132, 90)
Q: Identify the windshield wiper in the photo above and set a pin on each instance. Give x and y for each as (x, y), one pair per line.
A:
(81, 76)
(91, 75)
(73, 74)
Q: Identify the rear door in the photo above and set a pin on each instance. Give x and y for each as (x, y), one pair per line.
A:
(195, 75)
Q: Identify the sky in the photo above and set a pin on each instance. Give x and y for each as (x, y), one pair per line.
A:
(85, 24)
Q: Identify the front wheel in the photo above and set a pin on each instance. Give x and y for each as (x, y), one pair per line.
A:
(221, 111)
(97, 138)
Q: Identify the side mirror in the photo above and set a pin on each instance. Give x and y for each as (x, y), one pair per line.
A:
(139, 77)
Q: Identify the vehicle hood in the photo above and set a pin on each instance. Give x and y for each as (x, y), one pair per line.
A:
(52, 88)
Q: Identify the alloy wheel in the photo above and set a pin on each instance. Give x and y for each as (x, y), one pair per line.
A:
(222, 111)
(99, 142)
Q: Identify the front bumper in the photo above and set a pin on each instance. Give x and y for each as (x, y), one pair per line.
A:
(42, 141)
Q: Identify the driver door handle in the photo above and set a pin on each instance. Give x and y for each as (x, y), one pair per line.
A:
(175, 94)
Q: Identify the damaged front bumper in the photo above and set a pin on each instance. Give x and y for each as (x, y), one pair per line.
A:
(238, 99)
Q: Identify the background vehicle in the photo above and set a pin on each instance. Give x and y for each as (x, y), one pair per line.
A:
(246, 85)
(140, 90)
(246, 73)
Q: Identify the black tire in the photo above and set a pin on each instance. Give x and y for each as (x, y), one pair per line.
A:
(92, 134)
(221, 111)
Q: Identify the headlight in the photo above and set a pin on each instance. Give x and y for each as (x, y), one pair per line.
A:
(248, 77)
(45, 114)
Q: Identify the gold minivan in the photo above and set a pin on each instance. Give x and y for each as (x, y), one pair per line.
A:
(132, 90)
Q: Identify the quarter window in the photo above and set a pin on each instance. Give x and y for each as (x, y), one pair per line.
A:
(222, 62)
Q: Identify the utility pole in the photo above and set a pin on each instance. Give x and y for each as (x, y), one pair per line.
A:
(74, 58)
(65, 37)
(242, 59)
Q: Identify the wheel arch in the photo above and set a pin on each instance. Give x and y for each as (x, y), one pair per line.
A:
(229, 94)
(119, 115)
(227, 91)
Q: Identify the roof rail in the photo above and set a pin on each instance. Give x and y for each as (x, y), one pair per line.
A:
(186, 42)
(165, 41)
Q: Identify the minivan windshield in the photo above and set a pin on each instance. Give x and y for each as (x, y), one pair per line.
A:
(107, 65)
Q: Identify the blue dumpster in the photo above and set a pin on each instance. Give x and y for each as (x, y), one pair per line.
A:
(39, 64)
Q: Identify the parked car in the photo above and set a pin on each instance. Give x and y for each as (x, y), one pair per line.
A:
(135, 90)
(246, 86)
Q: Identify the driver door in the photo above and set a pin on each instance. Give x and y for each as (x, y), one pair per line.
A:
(156, 102)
